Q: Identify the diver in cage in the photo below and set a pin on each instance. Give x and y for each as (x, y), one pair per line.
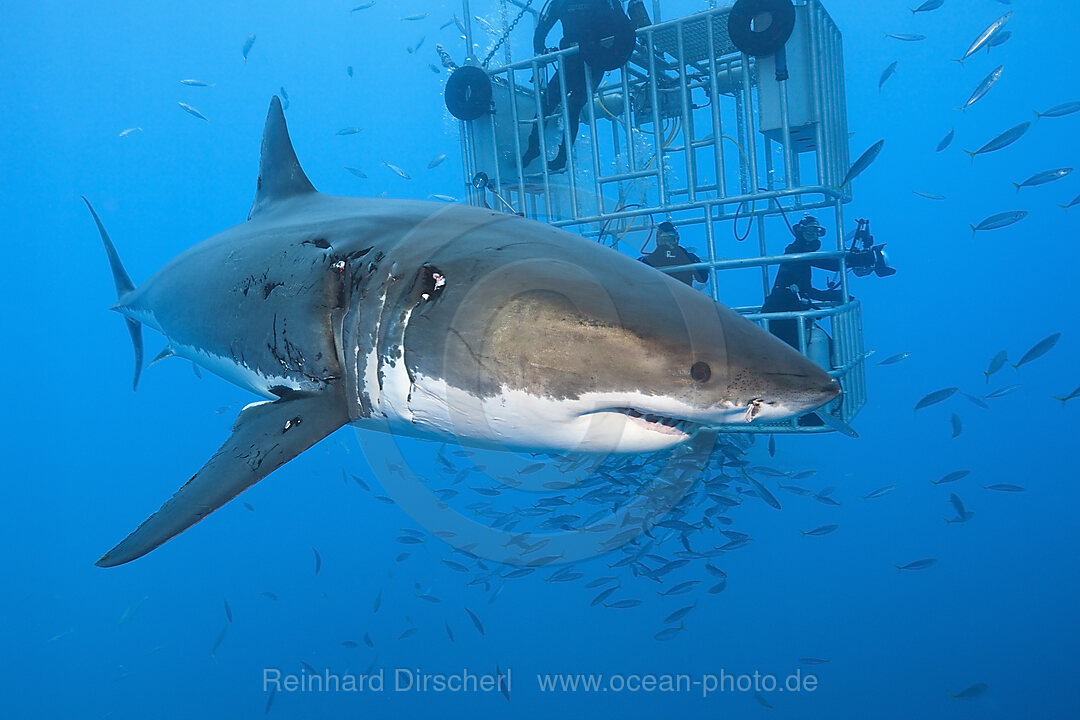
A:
(586, 23)
(793, 289)
(669, 253)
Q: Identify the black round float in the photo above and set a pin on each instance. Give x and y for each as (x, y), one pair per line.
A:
(468, 93)
(761, 27)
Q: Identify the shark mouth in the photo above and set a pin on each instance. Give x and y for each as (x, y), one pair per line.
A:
(658, 423)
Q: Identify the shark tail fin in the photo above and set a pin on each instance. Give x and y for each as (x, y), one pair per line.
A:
(123, 287)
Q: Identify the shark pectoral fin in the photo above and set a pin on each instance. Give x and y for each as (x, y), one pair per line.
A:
(266, 436)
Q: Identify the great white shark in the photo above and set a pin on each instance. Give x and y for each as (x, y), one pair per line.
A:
(442, 321)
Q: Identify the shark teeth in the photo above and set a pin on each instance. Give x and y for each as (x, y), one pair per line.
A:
(683, 426)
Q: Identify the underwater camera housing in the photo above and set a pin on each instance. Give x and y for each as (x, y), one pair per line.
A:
(864, 257)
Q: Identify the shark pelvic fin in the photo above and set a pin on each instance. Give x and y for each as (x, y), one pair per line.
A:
(266, 435)
(280, 174)
(123, 287)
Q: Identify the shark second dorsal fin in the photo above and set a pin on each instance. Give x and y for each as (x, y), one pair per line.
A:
(280, 174)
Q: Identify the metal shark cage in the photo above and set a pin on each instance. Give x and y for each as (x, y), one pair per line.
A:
(696, 132)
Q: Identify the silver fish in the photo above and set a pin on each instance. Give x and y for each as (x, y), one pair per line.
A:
(935, 397)
(1038, 350)
(918, 564)
(928, 196)
(951, 477)
(887, 73)
(679, 614)
(486, 24)
(946, 141)
(863, 162)
(352, 130)
(475, 621)
(356, 171)
(434, 68)
(318, 560)
(193, 112)
(976, 400)
(129, 131)
(928, 6)
(999, 220)
(669, 633)
(879, 492)
(1044, 177)
(1005, 487)
(906, 37)
(997, 39)
(985, 36)
(363, 6)
(1071, 203)
(764, 493)
(413, 48)
(436, 161)
(1002, 391)
(1060, 110)
(247, 46)
(1003, 140)
(822, 530)
(983, 87)
(397, 170)
(1074, 394)
(893, 359)
(218, 640)
(443, 198)
(996, 363)
(191, 82)
(415, 16)
(957, 425)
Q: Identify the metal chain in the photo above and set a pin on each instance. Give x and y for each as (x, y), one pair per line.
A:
(506, 34)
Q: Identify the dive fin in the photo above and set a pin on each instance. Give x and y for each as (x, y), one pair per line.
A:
(280, 174)
(265, 436)
(123, 287)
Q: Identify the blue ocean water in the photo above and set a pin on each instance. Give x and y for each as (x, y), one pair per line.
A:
(198, 626)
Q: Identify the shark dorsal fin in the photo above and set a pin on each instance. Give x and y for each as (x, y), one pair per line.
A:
(280, 174)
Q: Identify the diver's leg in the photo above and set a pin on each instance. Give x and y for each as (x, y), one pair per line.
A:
(575, 101)
(549, 101)
(782, 300)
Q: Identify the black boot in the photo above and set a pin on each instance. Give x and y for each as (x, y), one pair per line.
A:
(558, 163)
(532, 151)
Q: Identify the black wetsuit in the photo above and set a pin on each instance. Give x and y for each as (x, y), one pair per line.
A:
(784, 299)
(671, 255)
(582, 21)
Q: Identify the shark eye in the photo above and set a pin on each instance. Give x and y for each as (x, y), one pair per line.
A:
(700, 371)
(431, 282)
